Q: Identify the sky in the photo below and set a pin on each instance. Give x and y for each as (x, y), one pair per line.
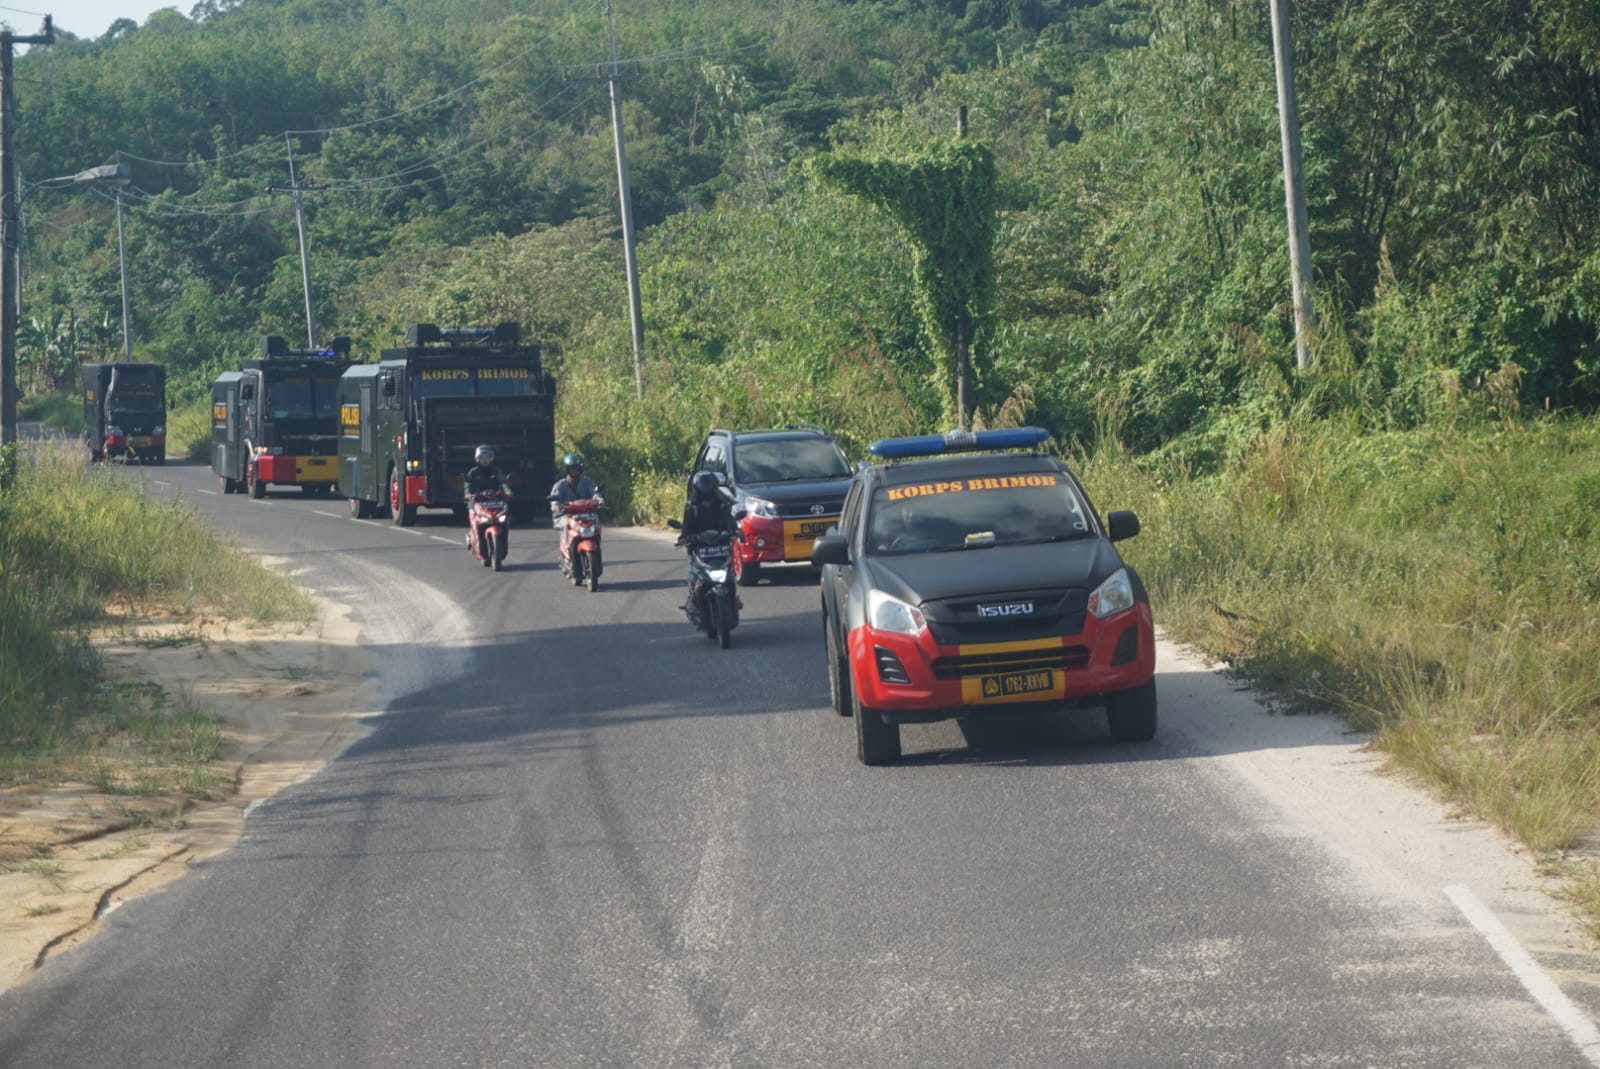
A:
(84, 18)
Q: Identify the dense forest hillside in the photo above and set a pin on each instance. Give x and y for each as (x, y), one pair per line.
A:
(462, 158)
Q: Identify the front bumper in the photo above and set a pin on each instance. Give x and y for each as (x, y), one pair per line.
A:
(777, 541)
(913, 679)
(290, 470)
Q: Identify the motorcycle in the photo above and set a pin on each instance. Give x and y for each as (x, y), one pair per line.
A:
(579, 550)
(714, 605)
(489, 527)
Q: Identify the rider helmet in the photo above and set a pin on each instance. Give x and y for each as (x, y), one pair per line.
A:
(706, 484)
(484, 454)
(572, 460)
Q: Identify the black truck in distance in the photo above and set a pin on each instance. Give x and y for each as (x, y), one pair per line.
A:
(409, 424)
(275, 422)
(125, 411)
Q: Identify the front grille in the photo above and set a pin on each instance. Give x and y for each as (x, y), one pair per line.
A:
(968, 665)
(955, 621)
(802, 510)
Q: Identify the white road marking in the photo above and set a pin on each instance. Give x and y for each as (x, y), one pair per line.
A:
(330, 515)
(1544, 990)
(200, 491)
(446, 541)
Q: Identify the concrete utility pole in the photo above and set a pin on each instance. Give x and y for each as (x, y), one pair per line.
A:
(963, 324)
(1294, 187)
(626, 199)
(8, 232)
(305, 259)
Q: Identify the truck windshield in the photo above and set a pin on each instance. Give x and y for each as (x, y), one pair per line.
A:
(972, 513)
(135, 400)
(302, 397)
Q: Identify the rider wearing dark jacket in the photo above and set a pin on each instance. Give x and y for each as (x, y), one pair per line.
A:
(708, 510)
(484, 475)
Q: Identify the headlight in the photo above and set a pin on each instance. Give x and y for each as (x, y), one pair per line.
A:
(1112, 596)
(760, 508)
(717, 575)
(160, 431)
(887, 613)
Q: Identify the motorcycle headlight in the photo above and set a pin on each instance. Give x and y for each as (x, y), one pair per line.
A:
(1112, 596)
(886, 613)
(760, 508)
(717, 575)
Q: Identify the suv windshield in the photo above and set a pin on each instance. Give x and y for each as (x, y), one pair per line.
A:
(971, 513)
(788, 460)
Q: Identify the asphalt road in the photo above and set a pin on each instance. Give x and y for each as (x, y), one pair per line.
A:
(583, 836)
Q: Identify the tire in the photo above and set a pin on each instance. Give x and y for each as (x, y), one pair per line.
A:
(1131, 714)
(838, 671)
(360, 509)
(724, 626)
(877, 740)
(258, 489)
(708, 618)
(591, 571)
(495, 551)
(161, 459)
(226, 485)
(748, 573)
(402, 514)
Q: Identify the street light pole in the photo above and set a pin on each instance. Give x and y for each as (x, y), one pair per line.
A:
(122, 265)
(118, 175)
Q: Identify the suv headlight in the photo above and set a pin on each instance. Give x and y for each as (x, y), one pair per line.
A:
(887, 613)
(1112, 596)
(760, 508)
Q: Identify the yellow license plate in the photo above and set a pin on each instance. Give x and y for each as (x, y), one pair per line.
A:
(1037, 685)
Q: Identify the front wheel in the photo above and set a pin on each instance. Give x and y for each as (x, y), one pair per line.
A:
(877, 740)
(258, 489)
(747, 572)
(723, 627)
(591, 571)
(360, 509)
(402, 514)
(1131, 714)
(497, 551)
(838, 671)
(226, 485)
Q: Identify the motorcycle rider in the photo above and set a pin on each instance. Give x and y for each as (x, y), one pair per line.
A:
(483, 475)
(708, 510)
(573, 486)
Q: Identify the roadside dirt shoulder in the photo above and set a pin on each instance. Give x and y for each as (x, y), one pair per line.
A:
(289, 701)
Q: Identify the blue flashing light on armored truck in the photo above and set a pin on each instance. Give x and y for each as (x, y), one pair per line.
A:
(275, 421)
(409, 424)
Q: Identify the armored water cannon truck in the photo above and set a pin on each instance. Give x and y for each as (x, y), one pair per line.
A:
(275, 421)
(410, 423)
(125, 411)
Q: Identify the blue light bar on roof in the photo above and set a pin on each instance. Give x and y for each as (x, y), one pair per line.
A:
(958, 442)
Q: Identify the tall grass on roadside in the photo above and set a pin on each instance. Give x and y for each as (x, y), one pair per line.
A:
(72, 543)
(1440, 589)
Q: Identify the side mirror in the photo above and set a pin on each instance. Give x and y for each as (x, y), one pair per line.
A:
(675, 525)
(831, 548)
(247, 392)
(388, 387)
(1122, 524)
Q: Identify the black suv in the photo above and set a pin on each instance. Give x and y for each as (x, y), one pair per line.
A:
(789, 482)
(965, 580)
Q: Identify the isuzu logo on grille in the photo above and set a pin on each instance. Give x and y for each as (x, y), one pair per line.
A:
(1009, 608)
